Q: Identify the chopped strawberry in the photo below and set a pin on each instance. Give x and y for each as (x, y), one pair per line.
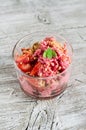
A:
(35, 69)
(24, 67)
(22, 59)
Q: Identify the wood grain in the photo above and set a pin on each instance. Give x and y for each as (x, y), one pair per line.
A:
(20, 112)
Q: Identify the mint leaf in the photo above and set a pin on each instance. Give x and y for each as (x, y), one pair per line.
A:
(54, 53)
(44, 54)
(49, 53)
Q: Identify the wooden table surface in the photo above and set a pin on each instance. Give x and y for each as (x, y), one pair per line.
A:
(20, 112)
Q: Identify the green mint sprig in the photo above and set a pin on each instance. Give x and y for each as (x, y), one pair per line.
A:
(49, 53)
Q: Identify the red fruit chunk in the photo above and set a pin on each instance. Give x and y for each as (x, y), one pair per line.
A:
(35, 69)
(24, 67)
(22, 59)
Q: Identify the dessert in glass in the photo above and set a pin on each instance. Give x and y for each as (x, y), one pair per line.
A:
(43, 64)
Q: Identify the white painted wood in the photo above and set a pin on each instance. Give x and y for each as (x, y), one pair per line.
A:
(20, 112)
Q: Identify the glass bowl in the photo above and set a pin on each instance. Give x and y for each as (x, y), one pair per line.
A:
(41, 87)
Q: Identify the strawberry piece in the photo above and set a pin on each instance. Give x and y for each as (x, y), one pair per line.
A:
(35, 69)
(24, 67)
(22, 59)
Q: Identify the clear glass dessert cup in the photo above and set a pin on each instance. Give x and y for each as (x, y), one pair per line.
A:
(42, 87)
